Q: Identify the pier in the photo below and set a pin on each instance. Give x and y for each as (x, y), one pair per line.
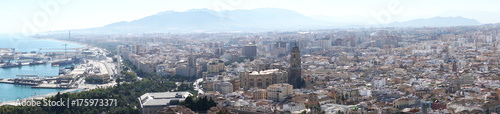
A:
(36, 81)
(27, 80)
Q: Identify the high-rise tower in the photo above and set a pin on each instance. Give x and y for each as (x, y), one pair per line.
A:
(250, 50)
(192, 65)
(295, 69)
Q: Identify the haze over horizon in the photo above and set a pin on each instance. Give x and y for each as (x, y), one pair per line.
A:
(78, 14)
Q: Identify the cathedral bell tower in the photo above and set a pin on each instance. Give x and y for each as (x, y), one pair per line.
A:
(295, 69)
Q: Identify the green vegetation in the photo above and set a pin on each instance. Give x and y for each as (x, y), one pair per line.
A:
(198, 104)
(128, 76)
(178, 78)
(129, 64)
(316, 109)
(222, 112)
(188, 87)
(95, 80)
(139, 72)
(126, 95)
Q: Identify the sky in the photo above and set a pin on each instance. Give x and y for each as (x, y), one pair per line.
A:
(48, 15)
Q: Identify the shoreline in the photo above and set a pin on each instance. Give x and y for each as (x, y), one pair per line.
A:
(71, 90)
(39, 97)
(65, 41)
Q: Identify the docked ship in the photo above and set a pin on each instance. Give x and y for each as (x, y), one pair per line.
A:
(37, 62)
(63, 62)
(10, 65)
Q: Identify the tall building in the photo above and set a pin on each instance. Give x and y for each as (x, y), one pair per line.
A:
(280, 44)
(191, 61)
(219, 51)
(279, 49)
(324, 43)
(190, 69)
(295, 69)
(192, 65)
(213, 68)
(494, 36)
(135, 49)
(249, 50)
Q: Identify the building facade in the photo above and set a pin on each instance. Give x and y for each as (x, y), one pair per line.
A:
(223, 87)
(262, 79)
(151, 103)
(279, 92)
(249, 50)
(258, 94)
(189, 70)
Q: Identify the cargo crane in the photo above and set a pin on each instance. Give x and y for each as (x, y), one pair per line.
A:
(66, 60)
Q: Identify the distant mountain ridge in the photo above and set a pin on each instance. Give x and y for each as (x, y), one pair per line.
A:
(262, 19)
(204, 20)
(436, 22)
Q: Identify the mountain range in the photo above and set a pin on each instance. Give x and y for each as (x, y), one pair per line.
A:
(262, 19)
(436, 22)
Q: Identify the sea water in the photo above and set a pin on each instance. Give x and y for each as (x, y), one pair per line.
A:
(22, 44)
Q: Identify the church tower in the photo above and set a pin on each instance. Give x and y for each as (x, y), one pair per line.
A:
(295, 69)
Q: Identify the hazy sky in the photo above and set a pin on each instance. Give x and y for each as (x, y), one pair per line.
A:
(18, 15)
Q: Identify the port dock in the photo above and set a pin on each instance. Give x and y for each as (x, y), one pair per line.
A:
(35, 81)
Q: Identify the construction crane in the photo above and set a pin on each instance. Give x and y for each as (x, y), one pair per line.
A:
(66, 51)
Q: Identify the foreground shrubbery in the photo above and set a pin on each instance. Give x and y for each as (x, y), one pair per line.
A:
(125, 93)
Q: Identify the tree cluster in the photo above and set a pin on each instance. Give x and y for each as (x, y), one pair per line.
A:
(126, 95)
(199, 104)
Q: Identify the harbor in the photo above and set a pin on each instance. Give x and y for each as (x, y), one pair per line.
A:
(9, 58)
(68, 72)
(71, 69)
(38, 68)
